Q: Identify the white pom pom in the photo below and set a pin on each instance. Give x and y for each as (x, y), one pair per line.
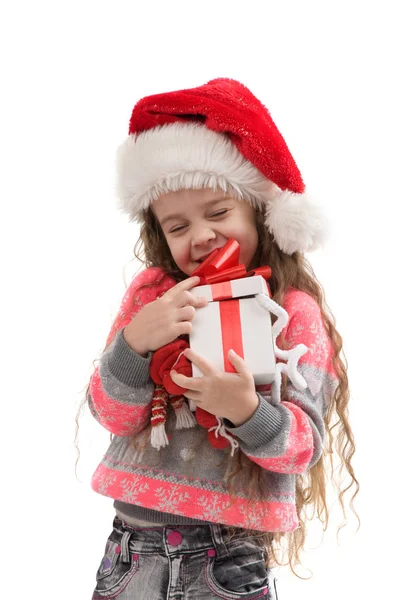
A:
(297, 223)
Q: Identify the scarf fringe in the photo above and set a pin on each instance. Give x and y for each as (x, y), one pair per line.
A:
(159, 437)
(184, 417)
(220, 429)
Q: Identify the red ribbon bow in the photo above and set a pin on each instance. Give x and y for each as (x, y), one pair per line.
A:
(223, 265)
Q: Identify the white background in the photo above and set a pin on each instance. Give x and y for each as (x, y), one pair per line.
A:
(71, 73)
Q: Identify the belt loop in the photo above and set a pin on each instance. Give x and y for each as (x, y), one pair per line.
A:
(125, 546)
(217, 535)
(218, 540)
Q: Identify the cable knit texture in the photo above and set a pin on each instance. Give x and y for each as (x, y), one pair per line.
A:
(185, 482)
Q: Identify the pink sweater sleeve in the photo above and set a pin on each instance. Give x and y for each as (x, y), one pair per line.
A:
(288, 438)
(121, 390)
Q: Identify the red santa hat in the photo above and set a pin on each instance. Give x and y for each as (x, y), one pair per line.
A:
(218, 136)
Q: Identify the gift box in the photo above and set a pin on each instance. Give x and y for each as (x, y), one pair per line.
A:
(233, 318)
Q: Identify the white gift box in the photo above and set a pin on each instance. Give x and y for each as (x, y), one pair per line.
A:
(233, 318)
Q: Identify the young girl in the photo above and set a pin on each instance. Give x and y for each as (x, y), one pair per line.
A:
(197, 518)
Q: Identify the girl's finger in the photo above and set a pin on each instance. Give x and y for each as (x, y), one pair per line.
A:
(188, 383)
(199, 361)
(185, 298)
(186, 313)
(186, 284)
(238, 362)
(194, 396)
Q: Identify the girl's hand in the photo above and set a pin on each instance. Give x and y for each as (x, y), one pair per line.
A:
(229, 395)
(162, 321)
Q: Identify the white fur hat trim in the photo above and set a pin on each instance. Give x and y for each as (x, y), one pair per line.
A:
(190, 156)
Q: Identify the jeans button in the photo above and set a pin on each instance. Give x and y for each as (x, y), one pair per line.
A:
(174, 538)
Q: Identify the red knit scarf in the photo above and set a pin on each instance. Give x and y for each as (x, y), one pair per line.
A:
(164, 360)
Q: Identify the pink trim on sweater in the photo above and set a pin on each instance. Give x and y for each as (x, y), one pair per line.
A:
(193, 502)
(162, 472)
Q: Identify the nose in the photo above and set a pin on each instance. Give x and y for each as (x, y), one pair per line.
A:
(201, 235)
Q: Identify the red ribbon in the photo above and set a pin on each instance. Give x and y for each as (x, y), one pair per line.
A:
(223, 265)
(231, 331)
(218, 270)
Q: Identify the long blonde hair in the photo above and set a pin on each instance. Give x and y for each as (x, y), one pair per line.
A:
(311, 501)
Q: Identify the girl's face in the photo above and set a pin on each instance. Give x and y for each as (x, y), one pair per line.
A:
(195, 222)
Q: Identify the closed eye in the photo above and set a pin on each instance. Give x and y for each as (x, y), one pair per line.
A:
(219, 213)
(175, 229)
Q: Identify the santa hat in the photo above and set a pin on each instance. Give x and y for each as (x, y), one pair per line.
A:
(220, 136)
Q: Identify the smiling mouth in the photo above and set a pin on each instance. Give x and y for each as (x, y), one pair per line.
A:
(200, 260)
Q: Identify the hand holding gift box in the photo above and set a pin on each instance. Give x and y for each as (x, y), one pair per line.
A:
(238, 316)
(172, 358)
(218, 327)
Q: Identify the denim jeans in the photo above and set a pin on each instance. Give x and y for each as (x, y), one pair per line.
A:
(184, 562)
